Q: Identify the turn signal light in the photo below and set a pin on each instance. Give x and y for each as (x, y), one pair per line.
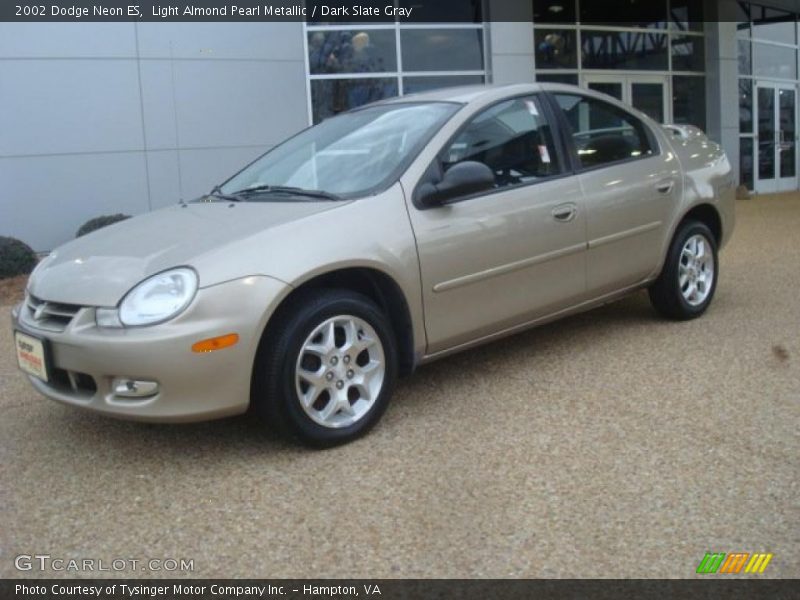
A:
(216, 343)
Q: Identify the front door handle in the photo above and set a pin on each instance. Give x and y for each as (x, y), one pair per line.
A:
(565, 212)
(665, 187)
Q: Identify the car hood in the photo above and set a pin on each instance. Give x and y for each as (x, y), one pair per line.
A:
(98, 269)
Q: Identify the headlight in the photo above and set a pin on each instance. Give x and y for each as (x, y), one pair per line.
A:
(159, 298)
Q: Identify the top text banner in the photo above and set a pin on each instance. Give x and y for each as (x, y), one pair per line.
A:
(655, 14)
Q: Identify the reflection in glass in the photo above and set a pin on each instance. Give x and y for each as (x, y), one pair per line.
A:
(766, 133)
(451, 11)
(745, 57)
(649, 98)
(774, 61)
(786, 114)
(558, 78)
(353, 154)
(553, 11)
(624, 50)
(773, 25)
(745, 106)
(746, 162)
(331, 96)
(689, 100)
(686, 15)
(372, 51)
(688, 53)
(412, 85)
(607, 87)
(602, 132)
(556, 49)
(650, 14)
(741, 16)
(442, 49)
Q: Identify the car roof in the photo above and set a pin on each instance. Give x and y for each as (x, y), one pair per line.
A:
(475, 93)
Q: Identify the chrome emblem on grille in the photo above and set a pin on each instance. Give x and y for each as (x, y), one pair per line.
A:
(37, 313)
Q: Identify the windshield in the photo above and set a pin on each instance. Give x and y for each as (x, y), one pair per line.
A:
(347, 155)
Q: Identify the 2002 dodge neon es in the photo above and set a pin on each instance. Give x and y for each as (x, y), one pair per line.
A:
(373, 242)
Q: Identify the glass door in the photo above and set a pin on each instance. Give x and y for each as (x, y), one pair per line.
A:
(647, 93)
(776, 137)
(650, 97)
(612, 86)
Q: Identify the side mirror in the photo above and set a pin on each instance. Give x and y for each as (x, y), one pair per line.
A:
(462, 179)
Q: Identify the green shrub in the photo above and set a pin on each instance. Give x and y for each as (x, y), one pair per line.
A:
(100, 222)
(16, 258)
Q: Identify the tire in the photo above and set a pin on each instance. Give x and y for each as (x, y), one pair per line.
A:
(687, 283)
(313, 381)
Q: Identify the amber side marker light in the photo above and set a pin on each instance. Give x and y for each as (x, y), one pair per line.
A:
(216, 343)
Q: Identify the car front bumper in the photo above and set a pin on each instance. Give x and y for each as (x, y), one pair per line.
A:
(85, 360)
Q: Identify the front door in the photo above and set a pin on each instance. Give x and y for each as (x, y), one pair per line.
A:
(776, 107)
(647, 93)
(494, 260)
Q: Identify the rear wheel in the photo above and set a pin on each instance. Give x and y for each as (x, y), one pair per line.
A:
(325, 372)
(688, 280)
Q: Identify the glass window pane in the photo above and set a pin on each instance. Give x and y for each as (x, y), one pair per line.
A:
(513, 138)
(553, 11)
(353, 51)
(766, 133)
(603, 133)
(651, 14)
(331, 96)
(557, 78)
(556, 49)
(745, 58)
(788, 127)
(774, 61)
(624, 50)
(688, 53)
(412, 85)
(609, 88)
(773, 25)
(649, 98)
(745, 106)
(686, 15)
(452, 11)
(442, 49)
(689, 101)
(746, 162)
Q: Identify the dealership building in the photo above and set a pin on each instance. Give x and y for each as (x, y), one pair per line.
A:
(127, 117)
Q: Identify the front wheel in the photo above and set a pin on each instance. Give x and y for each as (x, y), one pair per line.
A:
(326, 371)
(688, 280)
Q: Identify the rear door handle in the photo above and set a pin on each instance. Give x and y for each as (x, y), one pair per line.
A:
(565, 212)
(665, 187)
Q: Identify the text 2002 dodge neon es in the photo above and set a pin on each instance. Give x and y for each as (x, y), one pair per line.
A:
(373, 242)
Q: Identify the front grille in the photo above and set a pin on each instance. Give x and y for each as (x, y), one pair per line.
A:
(51, 316)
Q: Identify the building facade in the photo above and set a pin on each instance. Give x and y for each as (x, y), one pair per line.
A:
(130, 117)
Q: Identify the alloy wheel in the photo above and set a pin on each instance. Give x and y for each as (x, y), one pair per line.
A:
(340, 371)
(696, 270)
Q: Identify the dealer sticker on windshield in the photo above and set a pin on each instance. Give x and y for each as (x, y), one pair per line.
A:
(30, 355)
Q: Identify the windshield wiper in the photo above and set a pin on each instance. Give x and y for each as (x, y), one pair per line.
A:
(217, 193)
(284, 189)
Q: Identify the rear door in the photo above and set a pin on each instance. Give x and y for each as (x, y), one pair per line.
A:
(631, 186)
(497, 259)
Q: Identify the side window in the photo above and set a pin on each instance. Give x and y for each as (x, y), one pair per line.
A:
(512, 138)
(603, 133)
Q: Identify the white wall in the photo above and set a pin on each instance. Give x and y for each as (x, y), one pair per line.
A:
(129, 117)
